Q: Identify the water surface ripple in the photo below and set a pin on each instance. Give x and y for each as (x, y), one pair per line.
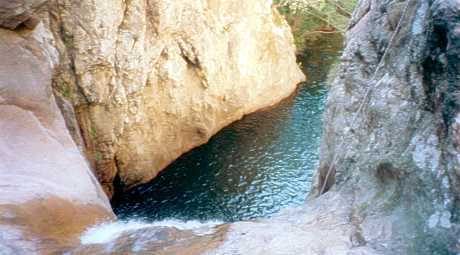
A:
(251, 169)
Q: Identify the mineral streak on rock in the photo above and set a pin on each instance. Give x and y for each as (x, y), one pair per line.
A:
(398, 158)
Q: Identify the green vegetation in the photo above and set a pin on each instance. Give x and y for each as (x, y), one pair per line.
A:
(66, 91)
(309, 17)
(93, 132)
(98, 156)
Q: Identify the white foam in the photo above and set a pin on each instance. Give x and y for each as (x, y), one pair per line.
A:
(108, 231)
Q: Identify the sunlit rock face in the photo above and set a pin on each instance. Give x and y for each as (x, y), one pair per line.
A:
(152, 79)
(48, 194)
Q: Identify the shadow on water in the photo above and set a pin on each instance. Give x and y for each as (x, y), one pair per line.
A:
(252, 168)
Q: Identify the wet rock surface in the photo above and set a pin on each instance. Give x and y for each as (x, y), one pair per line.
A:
(157, 240)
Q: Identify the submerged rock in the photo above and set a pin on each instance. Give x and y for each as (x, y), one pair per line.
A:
(152, 80)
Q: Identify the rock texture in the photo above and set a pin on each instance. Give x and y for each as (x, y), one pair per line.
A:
(157, 240)
(48, 193)
(14, 13)
(150, 80)
(322, 226)
(391, 135)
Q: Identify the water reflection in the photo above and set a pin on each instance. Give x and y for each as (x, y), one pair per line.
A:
(252, 168)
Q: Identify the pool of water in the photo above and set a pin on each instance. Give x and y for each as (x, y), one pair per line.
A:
(252, 168)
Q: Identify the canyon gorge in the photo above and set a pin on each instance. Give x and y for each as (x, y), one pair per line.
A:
(98, 97)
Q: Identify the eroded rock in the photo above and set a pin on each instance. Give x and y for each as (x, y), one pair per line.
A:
(151, 80)
(48, 193)
(390, 130)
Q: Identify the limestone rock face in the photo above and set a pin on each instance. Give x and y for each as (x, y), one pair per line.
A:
(16, 12)
(48, 193)
(150, 80)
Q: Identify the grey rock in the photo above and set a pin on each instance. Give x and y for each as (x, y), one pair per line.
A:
(391, 125)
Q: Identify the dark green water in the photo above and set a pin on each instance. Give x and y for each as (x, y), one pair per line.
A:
(251, 169)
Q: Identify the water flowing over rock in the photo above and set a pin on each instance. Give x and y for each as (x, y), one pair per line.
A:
(150, 80)
(162, 238)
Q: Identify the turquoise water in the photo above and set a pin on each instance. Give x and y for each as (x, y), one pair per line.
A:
(251, 169)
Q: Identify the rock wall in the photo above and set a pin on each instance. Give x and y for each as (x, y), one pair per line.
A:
(147, 81)
(391, 135)
(388, 180)
(137, 84)
(48, 193)
(150, 80)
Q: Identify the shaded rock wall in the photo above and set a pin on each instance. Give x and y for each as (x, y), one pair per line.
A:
(391, 133)
(48, 193)
(150, 80)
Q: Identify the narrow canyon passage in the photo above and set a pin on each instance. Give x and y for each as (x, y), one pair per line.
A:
(97, 98)
(254, 167)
